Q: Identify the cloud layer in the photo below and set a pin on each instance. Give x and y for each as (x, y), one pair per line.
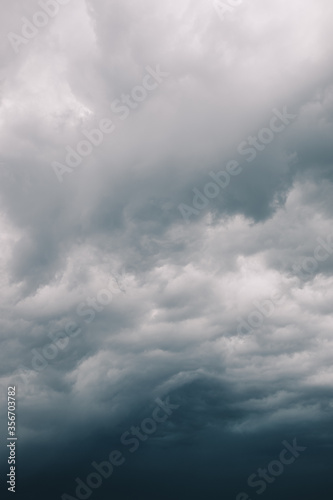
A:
(180, 291)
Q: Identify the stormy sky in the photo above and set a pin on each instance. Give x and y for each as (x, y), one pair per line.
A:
(166, 239)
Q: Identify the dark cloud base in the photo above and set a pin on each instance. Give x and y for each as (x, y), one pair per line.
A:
(172, 324)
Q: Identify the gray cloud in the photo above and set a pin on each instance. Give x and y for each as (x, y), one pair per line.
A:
(188, 286)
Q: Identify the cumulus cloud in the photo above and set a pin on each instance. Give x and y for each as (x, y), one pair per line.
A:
(185, 315)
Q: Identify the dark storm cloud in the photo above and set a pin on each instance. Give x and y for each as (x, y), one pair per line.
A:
(186, 287)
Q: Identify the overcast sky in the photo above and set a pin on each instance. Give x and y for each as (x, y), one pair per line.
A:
(202, 190)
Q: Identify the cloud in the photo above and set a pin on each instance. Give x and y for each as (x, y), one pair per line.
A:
(186, 287)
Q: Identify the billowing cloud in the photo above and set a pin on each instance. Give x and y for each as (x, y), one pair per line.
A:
(166, 231)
